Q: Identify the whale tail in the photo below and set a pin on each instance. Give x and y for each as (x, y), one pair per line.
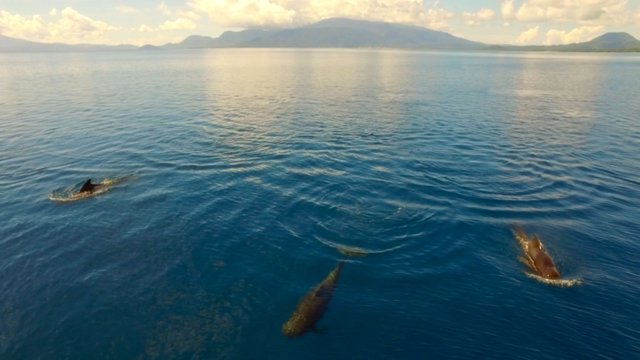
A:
(332, 279)
(336, 271)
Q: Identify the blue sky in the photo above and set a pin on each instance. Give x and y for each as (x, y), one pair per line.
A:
(157, 22)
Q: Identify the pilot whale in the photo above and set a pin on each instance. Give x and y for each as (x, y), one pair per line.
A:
(535, 256)
(87, 190)
(313, 305)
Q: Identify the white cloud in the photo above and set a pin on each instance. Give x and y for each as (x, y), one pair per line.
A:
(169, 25)
(435, 18)
(69, 27)
(178, 24)
(283, 13)
(530, 13)
(125, 9)
(478, 17)
(507, 9)
(164, 9)
(22, 27)
(579, 34)
(77, 26)
(244, 13)
(145, 28)
(528, 36)
(586, 12)
(181, 13)
(182, 20)
(188, 14)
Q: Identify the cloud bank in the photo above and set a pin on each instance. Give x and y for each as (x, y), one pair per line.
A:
(529, 36)
(286, 13)
(579, 34)
(68, 26)
(585, 12)
(482, 15)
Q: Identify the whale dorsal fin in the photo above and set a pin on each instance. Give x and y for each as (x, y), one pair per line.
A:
(88, 186)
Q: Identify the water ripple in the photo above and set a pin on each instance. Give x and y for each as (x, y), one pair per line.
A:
(255, 167)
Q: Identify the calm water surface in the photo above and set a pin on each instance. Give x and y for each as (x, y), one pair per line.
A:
(249, 167)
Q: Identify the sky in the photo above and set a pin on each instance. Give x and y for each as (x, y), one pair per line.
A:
(158, 22)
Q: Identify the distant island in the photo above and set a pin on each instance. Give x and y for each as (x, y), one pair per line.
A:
(609, 42)
(339, 33)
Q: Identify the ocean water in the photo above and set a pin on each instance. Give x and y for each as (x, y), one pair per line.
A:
(245, 169)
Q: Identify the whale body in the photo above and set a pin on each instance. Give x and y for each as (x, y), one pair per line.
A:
(535, 256)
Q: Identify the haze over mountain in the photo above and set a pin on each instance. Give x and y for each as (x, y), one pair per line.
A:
(8, 44)
(338, 33)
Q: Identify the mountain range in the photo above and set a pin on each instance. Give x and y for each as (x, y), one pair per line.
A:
(338, 33)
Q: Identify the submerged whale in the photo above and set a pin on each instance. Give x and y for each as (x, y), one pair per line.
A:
(313, 305)
(351, 250)
(535, 256)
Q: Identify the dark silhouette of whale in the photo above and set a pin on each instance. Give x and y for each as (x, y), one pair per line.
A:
(89, 187)
(313, 305)
(87, 190)
(535, 256)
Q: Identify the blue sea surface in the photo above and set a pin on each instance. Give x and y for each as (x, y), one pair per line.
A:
(247, 168)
